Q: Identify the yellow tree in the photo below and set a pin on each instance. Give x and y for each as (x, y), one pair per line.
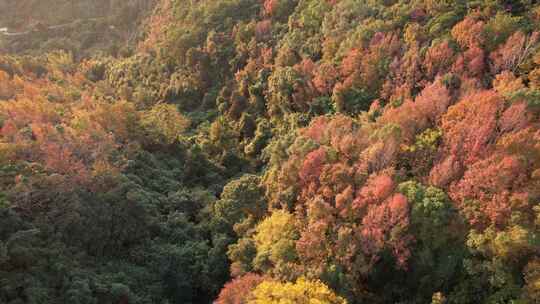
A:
(301, 292)
(274, 240)
(164, 123)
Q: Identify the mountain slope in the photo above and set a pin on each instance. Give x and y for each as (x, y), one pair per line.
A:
(247, 151)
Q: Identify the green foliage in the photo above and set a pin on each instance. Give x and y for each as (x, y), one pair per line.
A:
(428, 140)
(194, 21)
(164, 123)
(81, 28)
(352, 101)
(500, 27)
(242, 198)
(439, 246)
(431, 211)
(281, 89)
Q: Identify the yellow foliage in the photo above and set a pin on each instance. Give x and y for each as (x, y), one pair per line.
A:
(274, 228)
(509, 244)
(164, 122)
(60, 62)
(5, 88)
(275, 237)
(534, 78)
(301, 292)
(438, 298)
(512, 242)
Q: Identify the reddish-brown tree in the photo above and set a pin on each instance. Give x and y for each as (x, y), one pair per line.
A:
(238, 291)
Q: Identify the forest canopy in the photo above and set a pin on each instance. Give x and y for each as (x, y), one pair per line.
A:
(270, 151)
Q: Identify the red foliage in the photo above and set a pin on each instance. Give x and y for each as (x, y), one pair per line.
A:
(316, 129)
(67, 138)
(306, 67)
(238, 291)
(312, 165)
(514, 52)
(377, 188)
(498, 209)
(490, 181)
(425, 111)
(377, 39)
(61, 159)
(314, 246)
(405, 75)
(471, 63)
(515, 118)
(270, 6)
(446, 171)
(470, 126)
(335, 197)
(476, 61)
(385, 226)
(362, 66)
(263, 29)
(433, 101)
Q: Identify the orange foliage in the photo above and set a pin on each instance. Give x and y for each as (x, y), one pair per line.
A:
(470, 126)
(361, 67)
(438, 59)
(345, 198)
(469, 32)
(270, 6)
(45, 125)
(514, 52)
(238, 291)
(6, 91)
(507, 83)
(488, 181)
(156, 25)
(425, 111)
(312, 166)
(325, 78)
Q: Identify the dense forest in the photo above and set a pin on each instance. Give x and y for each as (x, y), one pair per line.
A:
(79, 27)
(269, 151)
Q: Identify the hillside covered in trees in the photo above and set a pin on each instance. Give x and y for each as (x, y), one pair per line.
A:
(79, 27)
(270, 152)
